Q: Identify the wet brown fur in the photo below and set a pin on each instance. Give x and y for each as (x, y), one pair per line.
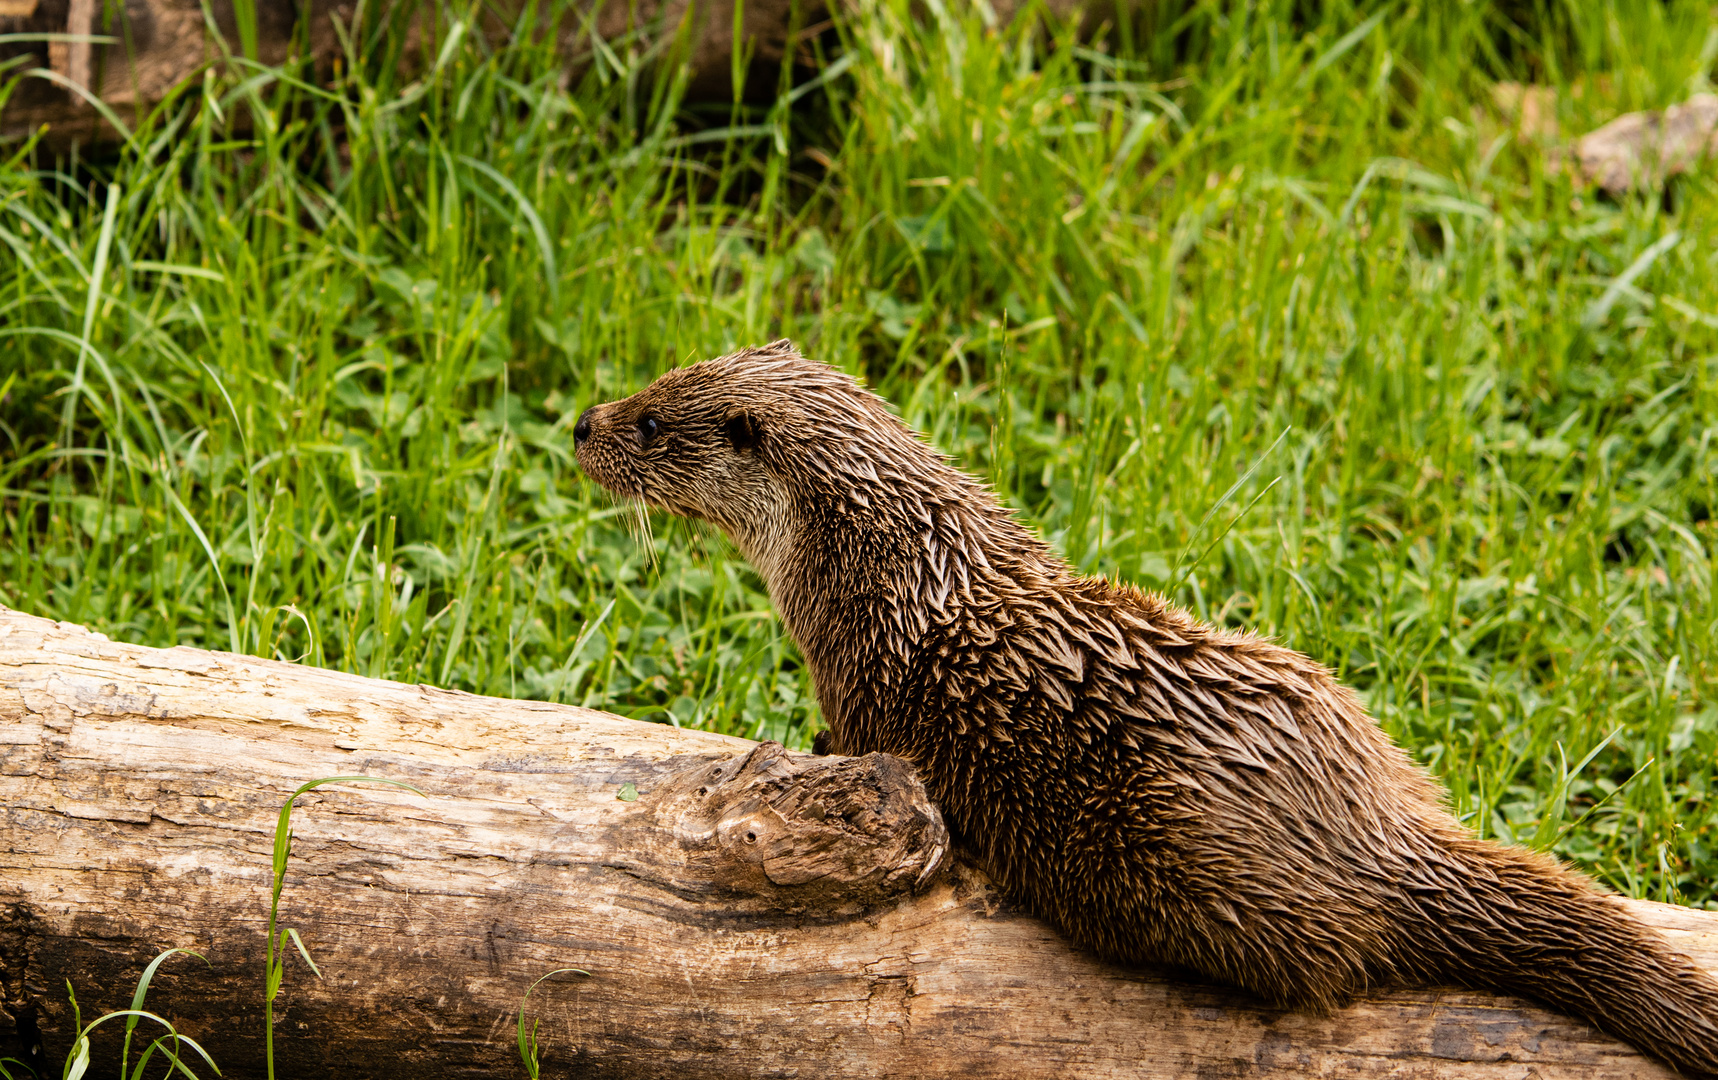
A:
(1160, 789)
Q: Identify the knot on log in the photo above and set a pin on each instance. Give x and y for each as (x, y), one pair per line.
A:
(804, 833)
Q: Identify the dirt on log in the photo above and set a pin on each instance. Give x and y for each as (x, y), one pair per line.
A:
(742, 911)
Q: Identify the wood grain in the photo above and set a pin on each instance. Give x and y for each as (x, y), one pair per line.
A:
(139, 787)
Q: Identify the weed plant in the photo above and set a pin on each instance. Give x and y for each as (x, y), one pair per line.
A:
(277, 937)
(530, 1051)
(1265, 305)
(171, 1045)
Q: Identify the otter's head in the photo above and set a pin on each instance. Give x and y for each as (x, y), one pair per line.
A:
(755, 442)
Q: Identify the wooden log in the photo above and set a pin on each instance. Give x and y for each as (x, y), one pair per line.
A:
(751, 913)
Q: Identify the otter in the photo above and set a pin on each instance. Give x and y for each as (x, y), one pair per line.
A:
(1161, 790)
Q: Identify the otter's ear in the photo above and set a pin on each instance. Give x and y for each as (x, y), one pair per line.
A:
(744, 430)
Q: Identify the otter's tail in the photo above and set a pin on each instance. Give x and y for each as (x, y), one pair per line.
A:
(1522, 924)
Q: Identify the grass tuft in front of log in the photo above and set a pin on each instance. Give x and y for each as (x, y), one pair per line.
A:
(275, 971)
(171, 1045)
(529, 1050)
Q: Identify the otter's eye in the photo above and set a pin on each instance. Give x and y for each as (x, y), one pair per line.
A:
(648, 429)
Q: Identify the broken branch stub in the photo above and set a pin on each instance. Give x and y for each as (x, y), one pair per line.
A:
(784, 831)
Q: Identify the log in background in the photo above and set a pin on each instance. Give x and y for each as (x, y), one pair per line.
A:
(138, 791)
(164, 42)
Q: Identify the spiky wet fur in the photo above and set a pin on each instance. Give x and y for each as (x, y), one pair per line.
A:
(1160, 789)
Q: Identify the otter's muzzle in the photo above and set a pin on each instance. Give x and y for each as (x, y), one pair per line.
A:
(582, 429)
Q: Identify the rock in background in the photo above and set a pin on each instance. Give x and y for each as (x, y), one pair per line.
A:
(1636, 151)
(1643, 149)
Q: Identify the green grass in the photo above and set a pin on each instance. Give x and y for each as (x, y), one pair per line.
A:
(302, 386)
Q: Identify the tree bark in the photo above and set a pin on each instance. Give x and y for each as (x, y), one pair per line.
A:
(751, 912)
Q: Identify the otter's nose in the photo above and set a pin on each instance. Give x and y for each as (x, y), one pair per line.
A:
(582, 429)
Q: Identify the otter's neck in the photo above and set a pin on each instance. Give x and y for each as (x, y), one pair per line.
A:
(863, 582)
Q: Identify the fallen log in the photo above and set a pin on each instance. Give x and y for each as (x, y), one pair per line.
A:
(742, 911)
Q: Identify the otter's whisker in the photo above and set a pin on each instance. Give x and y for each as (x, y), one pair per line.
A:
(638, 526)
(646, 536)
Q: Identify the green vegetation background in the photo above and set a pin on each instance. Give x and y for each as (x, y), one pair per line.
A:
(293, 372)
